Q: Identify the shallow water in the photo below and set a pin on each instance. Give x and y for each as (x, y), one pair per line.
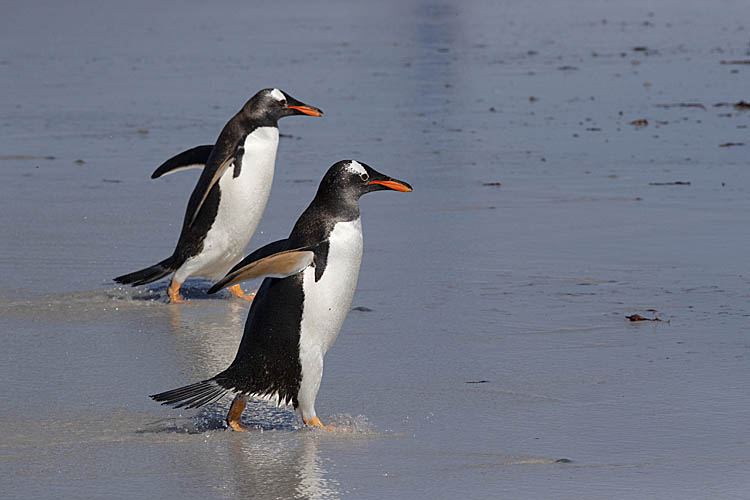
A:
(492, 339)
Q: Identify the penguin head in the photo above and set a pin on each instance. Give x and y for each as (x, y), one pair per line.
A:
(272, 104)
(351, 179)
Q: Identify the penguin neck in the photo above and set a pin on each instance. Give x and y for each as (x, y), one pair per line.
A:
(252, 121)
(339, 208)
(320, 217)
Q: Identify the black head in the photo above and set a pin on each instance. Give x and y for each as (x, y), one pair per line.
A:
(347, 180)
(272, 104)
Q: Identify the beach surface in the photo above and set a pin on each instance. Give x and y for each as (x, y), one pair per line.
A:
(573, 163)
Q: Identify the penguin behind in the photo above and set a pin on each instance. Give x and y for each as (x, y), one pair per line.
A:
(300, 307)
(227, 203)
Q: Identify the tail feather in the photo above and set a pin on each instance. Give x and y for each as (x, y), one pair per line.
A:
(149, 274)
(193, 395)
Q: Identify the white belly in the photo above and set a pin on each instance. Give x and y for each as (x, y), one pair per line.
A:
(326, 304)
(243, 200)
(328, 301)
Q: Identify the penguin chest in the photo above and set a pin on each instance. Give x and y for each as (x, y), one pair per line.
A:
(328, 300)
(242, 200)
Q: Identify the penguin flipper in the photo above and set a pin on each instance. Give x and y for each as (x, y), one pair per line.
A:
(277, 265)
(192, 158)
(264, 251)
(215, 167)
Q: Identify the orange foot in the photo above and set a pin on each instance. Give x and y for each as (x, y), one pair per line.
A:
(237, 291)
(237, 426)
(174, 292)
(234, 418)
(315, 422)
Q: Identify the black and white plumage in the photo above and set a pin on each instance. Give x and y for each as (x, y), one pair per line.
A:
(299, 310)
(231, 194)
(196, 157)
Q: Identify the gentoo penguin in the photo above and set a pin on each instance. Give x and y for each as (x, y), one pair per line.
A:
(227, 203)
(300, 307)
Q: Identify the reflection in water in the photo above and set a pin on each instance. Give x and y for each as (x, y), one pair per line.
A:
(277, 465)
(256, 464)
(443, 84)
(206, 335)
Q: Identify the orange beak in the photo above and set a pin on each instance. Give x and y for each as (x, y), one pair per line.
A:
(395, 185)
(307, 110)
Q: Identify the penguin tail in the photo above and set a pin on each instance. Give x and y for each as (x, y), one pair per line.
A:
(192, 396)
(149, 274)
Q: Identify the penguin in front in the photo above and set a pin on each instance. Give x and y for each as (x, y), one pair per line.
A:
(299, 309)
(228, 201)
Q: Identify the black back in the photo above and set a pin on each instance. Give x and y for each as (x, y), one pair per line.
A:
(267, 361)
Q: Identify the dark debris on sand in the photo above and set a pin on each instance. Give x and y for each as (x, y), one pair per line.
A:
(673, 183)
(682, 105)
(739, 106)
(638, 317)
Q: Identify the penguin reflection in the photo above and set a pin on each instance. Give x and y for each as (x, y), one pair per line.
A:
(277, 465)
(206, 337)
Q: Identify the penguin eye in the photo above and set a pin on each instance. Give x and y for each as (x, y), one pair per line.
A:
(364, 176)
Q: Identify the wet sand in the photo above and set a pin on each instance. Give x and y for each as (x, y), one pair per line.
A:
(491, 339)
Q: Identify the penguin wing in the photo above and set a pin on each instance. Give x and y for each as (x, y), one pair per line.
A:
(192, 158)
(272, 260)
(261, 253)
(220, 159)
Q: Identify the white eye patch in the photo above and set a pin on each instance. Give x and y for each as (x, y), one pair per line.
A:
(356, 168)
(278, 95)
